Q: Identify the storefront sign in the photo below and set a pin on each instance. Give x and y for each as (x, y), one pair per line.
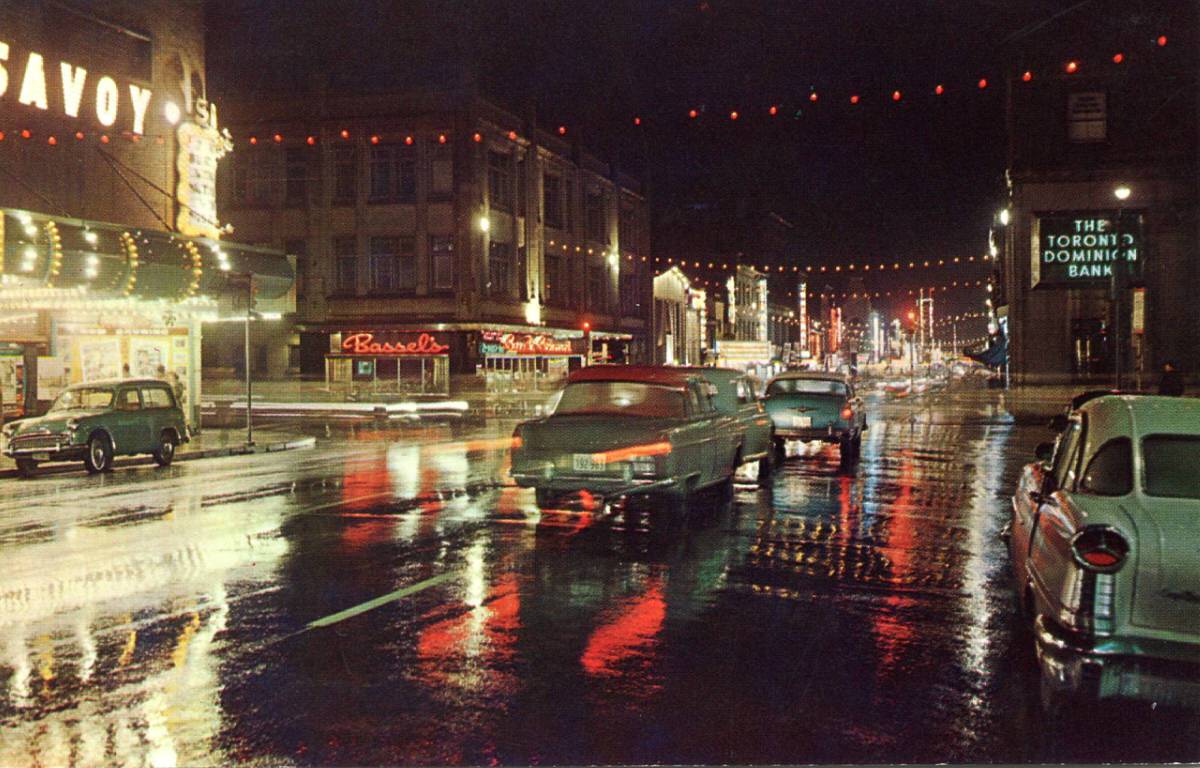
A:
(499, 343)
(1079, 249)
(393, 344)
(63, 87)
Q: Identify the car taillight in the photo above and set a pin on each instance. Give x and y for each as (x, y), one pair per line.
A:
(516, 438)
(847, 412)
(633, 452)
(1100, 548)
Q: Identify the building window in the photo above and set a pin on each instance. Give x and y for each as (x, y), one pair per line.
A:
(552, 203)
(345, 259)
(441, 258)
(631, 299)
(299, 249)
(627, 230)
(392, 264)
(499, 181)
(252, 177)
(393, 173)
(345, 175)
(597, 218)
(441, 169)
(500, 268)
(1087, 117)
(521, 188)
(295, 178)
(554, 292)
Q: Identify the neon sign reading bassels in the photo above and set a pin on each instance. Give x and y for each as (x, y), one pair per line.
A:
(393, 344)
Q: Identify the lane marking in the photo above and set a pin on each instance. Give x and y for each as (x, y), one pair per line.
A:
(374, 603)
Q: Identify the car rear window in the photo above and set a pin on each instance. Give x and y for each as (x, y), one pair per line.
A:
(1110, 471)
(619, 398)
(806, 387)
(1171, 466)
(156, 397)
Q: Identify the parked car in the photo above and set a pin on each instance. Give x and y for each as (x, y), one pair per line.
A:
(737, 396)
(96, 421)
(619, 430)
(1102, 542)
(814, 405)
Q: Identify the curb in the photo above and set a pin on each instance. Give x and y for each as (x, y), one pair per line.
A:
(208, 453)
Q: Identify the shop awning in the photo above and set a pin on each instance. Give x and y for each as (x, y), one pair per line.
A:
(110, 260)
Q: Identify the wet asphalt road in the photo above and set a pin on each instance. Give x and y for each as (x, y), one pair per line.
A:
(388, 599)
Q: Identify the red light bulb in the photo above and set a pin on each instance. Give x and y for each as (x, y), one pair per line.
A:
(1027, 76)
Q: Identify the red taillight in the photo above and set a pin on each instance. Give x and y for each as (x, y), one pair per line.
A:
(1100, 548)
(633, 451)
(516, 438)
(847, 412)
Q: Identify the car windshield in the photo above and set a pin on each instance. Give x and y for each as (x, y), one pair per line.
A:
(1170, 462)
(806, 387)
(82, 399)
(620, 398)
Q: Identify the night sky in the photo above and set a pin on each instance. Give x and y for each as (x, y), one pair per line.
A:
(918, 179)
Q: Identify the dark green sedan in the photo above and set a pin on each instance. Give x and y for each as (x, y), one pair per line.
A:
(95, 422)
(629, 430)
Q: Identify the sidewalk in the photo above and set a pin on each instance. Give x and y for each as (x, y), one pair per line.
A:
(211, 443)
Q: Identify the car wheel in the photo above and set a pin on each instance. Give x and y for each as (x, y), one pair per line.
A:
(857, 446)
(780, 449)
(164, 454)
(544, 497)
(99, 454)
(846, 450)
(26, 467)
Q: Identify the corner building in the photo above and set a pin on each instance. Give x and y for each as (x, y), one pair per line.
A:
(442, 241)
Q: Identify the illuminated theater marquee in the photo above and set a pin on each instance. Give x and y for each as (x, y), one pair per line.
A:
(63, 86)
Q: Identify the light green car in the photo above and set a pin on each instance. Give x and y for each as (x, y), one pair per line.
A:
(1104, 542)
(95, 422)
(620, 430)
(737, 397)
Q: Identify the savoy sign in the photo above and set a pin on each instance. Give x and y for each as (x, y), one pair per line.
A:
(1081, 249)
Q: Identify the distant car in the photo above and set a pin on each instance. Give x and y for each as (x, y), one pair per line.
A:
(737, 396)
(621, 430)
(95, 422)
(811, 405)
(1102, 542)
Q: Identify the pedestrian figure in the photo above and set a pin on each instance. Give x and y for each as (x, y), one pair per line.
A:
(161, 372)
(1171, 383)
(125, 370)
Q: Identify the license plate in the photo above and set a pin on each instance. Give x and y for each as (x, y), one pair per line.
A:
(802, 421)
(40, 456)
(583, 462)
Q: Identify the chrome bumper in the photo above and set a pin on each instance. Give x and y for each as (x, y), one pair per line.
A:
(597, 484)
(1102, 668)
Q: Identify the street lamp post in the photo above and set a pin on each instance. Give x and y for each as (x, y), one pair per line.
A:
(1122, 193)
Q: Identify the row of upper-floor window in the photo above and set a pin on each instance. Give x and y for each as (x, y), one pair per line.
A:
(391, 175)
(390, 267)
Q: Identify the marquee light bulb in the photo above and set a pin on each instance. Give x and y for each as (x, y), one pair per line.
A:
(1122, 192)
(172, 113)
(90, 237)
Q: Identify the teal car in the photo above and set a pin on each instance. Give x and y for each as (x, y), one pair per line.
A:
(814, 405)
(97, 421)
(628, 430)
(1103, 547)
(736, 396)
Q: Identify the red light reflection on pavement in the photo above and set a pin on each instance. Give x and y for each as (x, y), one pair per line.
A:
(893, 633)
(633, 628)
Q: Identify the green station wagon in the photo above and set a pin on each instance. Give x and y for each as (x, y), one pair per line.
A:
(1104, 548)
(95, 422)
(623, 430)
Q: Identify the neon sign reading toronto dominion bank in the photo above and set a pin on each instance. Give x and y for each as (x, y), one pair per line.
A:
(1077, 249)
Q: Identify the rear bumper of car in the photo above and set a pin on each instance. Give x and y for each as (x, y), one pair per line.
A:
(602, 485)
(1109, 668)
(829, 434)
